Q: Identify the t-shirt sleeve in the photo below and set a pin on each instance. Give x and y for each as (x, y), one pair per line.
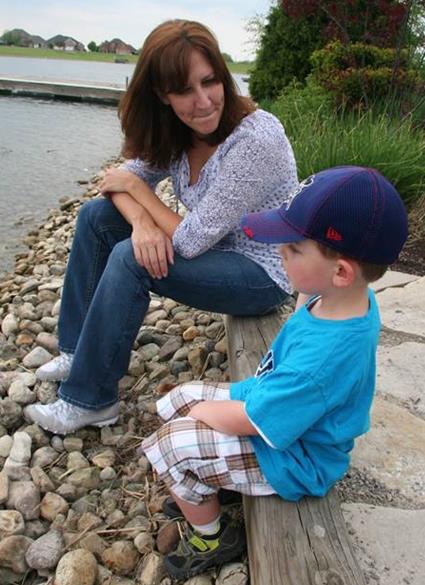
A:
(251, 169)
(283, 405)
(150, 175)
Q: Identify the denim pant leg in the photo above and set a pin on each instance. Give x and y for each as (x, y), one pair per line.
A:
(218, 281)
(99, 227)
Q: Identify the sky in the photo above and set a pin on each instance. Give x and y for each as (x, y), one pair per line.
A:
(132, 20)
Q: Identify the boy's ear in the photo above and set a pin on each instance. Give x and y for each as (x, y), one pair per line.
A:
(345, 273)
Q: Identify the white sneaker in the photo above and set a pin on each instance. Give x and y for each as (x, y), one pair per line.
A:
(62, 418)
(57, 370)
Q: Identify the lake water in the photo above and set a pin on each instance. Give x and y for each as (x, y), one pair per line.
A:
(46, 146)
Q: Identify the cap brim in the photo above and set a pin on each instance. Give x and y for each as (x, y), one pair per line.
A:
(269, 227)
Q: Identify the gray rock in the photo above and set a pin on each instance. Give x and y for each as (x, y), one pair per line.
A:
(200, 580)
(10, 412)
(47, 392)
(87, 478)
(170, 347)
(20, 393)
(5, 445)
(73, 444)
(402, 309)
(9, 325)
(152, 570)
(21, 448)
(77, 566)
(233, 574)
(42, 480)
(152, 318)
(44, 456)
(45, 552)
(147, 352)
(4, 487)
(48, 341)
(37, 357)
(24, 496)
(76, 460)
(144, 542)
(12, 553)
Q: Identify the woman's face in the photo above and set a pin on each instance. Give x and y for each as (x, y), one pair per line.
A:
(200, 104)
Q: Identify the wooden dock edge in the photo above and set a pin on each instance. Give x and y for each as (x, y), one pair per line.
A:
(303, 543)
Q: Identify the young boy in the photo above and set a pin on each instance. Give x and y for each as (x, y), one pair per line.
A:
(290, 428)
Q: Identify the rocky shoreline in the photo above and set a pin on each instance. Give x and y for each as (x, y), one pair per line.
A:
(83, 509)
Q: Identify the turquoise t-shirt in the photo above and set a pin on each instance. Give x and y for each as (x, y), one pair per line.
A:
(310, 398)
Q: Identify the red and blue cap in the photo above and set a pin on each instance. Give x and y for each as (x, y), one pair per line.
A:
(354, 210)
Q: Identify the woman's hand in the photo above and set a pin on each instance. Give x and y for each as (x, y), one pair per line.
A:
(152, 248)
(117, 180)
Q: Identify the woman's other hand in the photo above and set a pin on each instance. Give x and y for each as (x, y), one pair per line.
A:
(152, 248)
(117, 180)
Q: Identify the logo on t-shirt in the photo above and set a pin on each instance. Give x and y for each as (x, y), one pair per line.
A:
(266, 365)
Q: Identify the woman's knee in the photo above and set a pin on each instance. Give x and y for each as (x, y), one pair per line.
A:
(98, 213)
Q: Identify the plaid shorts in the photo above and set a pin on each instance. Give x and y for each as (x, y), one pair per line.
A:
(194, 460)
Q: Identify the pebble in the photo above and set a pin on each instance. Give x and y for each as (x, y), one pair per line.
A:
(24, 496)
(37, 357)
(11, 522)
(77, 566)
(45, 552)
(121, 557)
(12, 552)
(51, 505)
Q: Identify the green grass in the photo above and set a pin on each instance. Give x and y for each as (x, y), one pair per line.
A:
(322, 137)
(236, 67)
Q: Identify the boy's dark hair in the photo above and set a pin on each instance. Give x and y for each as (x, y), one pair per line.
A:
(151, 129)
(370, 272)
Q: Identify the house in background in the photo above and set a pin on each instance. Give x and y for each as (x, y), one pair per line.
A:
(118, 47)
(63, 43)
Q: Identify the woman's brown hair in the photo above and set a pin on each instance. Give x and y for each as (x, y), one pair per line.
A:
(152, 131)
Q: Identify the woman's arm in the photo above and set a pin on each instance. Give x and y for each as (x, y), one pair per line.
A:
(152, 247)
(120, 180)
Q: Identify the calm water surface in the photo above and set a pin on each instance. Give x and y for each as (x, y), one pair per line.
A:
(46, 146)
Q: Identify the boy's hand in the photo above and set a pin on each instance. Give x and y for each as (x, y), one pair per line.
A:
(226, 416)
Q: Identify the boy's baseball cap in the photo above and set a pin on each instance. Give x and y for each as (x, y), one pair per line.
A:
(354, 210)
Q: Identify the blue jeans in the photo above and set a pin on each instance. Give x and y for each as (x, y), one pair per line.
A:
(106, 296)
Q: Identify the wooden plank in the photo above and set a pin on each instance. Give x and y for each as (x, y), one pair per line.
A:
(303, 543)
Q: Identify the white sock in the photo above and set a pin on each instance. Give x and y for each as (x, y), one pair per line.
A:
(208, 529)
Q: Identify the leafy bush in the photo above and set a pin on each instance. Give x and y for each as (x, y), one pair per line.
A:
(358, 73)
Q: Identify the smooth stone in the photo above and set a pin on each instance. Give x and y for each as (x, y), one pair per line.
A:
(12, 552)
(170, 347)
(77, 566)
(10, 412)
(196, 358)
(21, 448)
(38, 436)
(152, 318)
(152, 570)
(168, 537)
(6, 443)
(87, 478)
(48, 341)
(11, 522)
(20, 393)
(190, 333)
(393, 451)
(9, 325)
(76, 460)
(44, 456)
(42, 480)
(144, 542)
(149, 351)
(104, 458)
(51, 505)
(403, 309)
(24, 496)
(73, 444)
(108, 474)
(233, 574)
(199, 580)
(37, 357)
(4, 487)
(45, 552)
(121, 557)
(388, 543)
(401, 374)
(392, 278)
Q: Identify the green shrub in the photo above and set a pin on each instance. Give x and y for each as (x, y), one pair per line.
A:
(323, 137)
(357, 74)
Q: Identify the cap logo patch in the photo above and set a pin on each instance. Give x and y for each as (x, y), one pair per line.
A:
(248, 231)
(332, 234)
(306, 183)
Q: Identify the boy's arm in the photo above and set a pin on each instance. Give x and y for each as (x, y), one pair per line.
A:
(226, 416)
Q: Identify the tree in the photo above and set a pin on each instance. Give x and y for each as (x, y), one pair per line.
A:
(12, 38)
(93, 47)
(283, 55)
(227, 57)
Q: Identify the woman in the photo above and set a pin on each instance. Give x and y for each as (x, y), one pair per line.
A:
(182, 118)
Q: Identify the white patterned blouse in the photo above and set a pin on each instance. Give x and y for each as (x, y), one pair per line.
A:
(252, 170)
